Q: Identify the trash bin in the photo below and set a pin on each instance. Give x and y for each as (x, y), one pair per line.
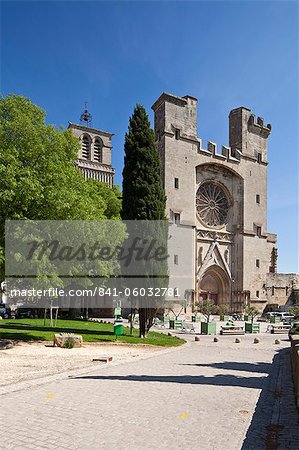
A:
(118, 327)
(171, 324)
(275, 319)
(178, 324)
(224, 318)
(117, 313)
(196, 318)
(252, 327)
(166, 319)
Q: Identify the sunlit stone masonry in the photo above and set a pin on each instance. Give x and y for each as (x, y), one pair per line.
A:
(220, 196)
(94, 158)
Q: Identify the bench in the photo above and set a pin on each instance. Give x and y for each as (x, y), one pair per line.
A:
(176, 324)
(188, 327)
(232, 330)
(280, 329)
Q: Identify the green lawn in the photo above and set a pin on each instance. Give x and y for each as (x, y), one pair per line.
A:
(34, 330)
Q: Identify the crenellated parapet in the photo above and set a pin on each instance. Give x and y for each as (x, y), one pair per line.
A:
(226, 154)
(257, 126)
(248, 134)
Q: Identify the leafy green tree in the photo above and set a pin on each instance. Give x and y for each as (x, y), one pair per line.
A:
(38, 177)
(222, 309)
(143, 193)
(175, 307)
(251, 311)
(207, 308)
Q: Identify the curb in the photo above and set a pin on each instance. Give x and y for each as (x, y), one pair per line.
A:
(22, 385)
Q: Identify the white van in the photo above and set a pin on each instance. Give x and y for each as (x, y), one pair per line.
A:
(283, 315)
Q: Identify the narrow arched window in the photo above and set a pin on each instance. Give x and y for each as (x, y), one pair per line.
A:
(85, 147)
(97, 150)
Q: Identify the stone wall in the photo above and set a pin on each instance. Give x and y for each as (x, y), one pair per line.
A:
(282, 288)
(295, 365)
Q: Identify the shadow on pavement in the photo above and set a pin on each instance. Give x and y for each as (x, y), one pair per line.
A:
(217, 380)
(259, 367)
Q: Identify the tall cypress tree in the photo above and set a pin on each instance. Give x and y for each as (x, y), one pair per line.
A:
(143, 193)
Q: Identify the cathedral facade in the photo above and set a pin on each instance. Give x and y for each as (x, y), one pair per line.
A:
(220, 195)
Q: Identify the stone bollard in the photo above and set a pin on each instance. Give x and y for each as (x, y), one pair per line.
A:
(277, 341)
(197, 338)
(237, 341)
(216, 339)
(256, 341)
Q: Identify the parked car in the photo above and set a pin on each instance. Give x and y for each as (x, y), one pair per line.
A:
(5, 311)
(288, 318)
(272, 314)
(283, 315)
(25, 313)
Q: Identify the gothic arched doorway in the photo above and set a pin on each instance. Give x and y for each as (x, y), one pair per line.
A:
(215, 284)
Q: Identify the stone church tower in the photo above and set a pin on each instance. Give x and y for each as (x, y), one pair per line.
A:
(94, 158)
(220, 195)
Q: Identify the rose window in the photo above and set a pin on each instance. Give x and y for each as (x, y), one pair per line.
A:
(212, 204)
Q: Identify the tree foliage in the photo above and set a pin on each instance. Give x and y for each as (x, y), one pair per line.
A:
(251, 311)
(143, 193)
(38, 177)
(207, 308)
(294, 310)
(223, 308)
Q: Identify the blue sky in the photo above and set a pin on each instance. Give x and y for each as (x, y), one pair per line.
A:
(115, 54)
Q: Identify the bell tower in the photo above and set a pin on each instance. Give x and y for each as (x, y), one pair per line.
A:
(94, 158)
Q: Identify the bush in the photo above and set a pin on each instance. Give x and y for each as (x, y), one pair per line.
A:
(296, 329)
(69, 343)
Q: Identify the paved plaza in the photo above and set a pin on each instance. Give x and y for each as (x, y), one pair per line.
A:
(204, 395)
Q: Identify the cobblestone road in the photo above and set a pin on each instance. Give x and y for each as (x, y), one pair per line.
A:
(202, 396)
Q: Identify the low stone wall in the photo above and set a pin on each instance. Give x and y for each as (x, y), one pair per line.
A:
(295, 365)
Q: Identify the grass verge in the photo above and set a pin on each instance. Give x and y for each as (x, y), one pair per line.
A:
(35, 330)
